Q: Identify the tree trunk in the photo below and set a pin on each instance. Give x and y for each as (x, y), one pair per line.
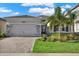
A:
(60, 29)
(73, 27)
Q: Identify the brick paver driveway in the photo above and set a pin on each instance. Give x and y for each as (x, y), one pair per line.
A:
(17, 44)
(22, 46)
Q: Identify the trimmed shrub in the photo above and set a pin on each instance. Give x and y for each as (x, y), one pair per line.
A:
(63, 37)
(71, 36)
(76, 36)
(54, 37)
(2, 35)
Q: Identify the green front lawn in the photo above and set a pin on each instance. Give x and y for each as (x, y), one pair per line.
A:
(56, 47)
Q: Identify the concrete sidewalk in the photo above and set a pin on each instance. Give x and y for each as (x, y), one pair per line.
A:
(39, 54)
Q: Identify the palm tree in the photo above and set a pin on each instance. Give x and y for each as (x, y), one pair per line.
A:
(57, 19)
(60, 19)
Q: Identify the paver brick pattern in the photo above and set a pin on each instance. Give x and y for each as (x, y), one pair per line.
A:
(17, 44)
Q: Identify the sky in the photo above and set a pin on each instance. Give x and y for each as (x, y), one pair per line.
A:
(33, 9)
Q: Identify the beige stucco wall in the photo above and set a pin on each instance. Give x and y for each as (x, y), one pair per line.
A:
(26, 26)
(2, 26)
(26, 20)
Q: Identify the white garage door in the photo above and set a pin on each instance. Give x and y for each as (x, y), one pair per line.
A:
(24, 30)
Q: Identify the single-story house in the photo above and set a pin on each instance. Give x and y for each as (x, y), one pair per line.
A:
(32, 26)
(23, 25)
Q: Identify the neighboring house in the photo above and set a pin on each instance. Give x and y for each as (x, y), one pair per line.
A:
(75, 26)
(70, 28)
(23, 25)
(2, 25)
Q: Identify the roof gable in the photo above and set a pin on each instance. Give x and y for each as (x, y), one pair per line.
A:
(22, 16)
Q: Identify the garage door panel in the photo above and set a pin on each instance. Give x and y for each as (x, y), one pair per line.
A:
(23, 30)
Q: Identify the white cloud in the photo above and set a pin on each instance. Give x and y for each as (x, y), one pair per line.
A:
(30, 4)
(35, 10)
(42, 11)
(48, 11)
(67, 6)
(16, 13)
(63, 9)
(36, 4)
(9, 11)
(4, 10)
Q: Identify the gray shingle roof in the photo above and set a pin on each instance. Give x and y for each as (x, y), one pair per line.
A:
(22, 16)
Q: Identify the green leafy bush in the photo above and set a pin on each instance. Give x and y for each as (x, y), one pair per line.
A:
(71, 36)
(76, 36)
(63, 37)
(2, 35)
(54, 37)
